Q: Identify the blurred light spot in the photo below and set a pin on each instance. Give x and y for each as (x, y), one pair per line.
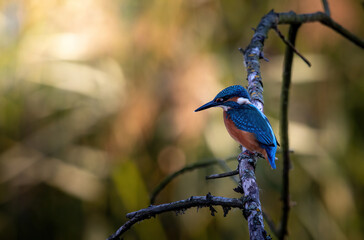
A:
(16, 161)
(338, 196)
(69, 46)
(79, 37)
(72, 180)
(62, 132)
(136, 120)
(301, 73)
(96, 227)
(217, 138)
(35, 168)
(314, 216)
(80, 78)
(89, 158)
(335, 134)
(171, 159)
(195, 85)
(304, 139)
(11, 20)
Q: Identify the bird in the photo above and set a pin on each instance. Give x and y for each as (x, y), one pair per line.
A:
(245, 123)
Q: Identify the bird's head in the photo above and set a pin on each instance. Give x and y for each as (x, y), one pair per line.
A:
(230, 97)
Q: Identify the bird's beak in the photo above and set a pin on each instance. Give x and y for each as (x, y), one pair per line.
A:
(207, 105)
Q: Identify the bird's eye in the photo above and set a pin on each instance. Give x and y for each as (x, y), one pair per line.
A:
(219, 100)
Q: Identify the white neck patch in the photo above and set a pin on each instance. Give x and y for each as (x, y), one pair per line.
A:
(242, 100)
(224, 107)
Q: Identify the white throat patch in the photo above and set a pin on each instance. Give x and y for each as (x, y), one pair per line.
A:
(224, 107)
(242, 100)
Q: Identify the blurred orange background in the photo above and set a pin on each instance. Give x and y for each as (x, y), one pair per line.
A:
(96, 108)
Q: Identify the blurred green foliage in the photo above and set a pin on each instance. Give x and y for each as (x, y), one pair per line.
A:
(96, 107)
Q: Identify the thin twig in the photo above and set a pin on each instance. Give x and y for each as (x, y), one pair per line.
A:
(242, 51)
(287, 75)
(179, 207)
(223, 165)
(222, 175)
(326, 7)
(187, 168)
(288, 43)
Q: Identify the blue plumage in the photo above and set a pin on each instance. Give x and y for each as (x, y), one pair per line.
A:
(248, 118)
(235, 101)
(233, 91)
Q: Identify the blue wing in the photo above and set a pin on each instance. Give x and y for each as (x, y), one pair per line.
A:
(248, 118)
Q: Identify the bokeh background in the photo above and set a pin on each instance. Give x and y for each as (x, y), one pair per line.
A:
(96, 108)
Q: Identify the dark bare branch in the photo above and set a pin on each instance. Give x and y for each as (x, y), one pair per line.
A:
(222, 175)
(179, 207)
(287, 75)
(289, 44)
(293, 18)
(223, 165)
(326, 7)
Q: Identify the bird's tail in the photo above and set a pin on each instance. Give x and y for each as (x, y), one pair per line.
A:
(271, 155)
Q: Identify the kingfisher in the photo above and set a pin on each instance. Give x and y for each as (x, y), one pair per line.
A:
(245, 123)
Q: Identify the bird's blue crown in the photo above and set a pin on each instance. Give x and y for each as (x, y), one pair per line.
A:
(233, 91)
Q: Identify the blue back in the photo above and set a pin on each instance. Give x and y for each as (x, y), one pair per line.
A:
(248, 118)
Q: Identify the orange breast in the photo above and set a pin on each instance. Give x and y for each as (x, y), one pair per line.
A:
(247, 139)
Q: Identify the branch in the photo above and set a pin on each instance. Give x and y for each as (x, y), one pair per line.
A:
(254, 51)
(222, 175)
(293, 18)
(251, 193)
(252, 54)
(326, 7)
(228, 172)
(247, 161)
(289, 44)
(179, 207)
(187, 168)
(287, 74)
